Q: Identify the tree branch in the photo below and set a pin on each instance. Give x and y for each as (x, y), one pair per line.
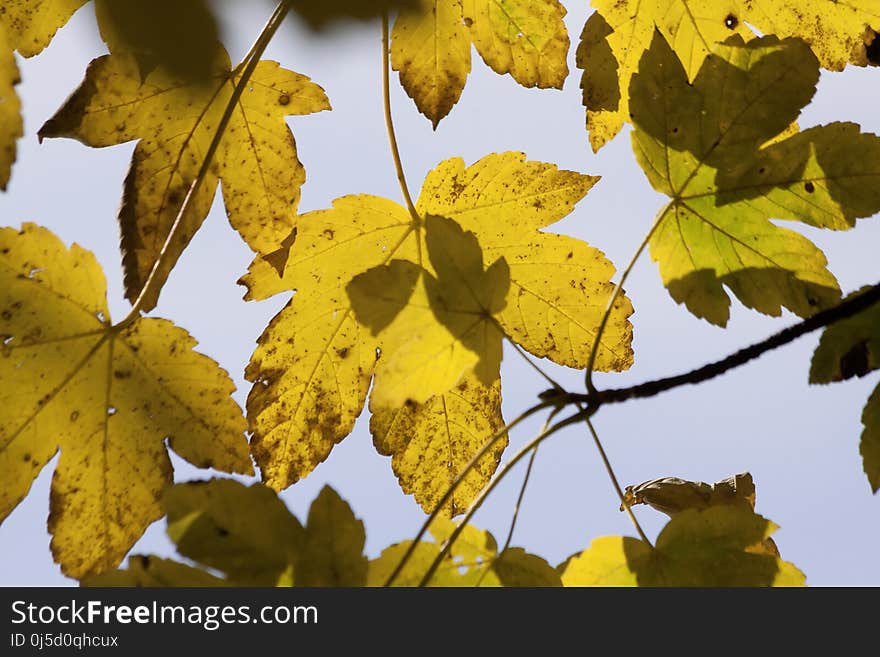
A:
(843, 310)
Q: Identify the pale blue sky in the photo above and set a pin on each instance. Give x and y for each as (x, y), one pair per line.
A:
(799, 442)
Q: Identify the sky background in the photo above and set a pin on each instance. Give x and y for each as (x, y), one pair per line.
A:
(800, 442)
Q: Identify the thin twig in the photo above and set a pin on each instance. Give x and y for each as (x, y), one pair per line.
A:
(615, 482)
(535, 442)
(250, 64)
(522, 494)
(843, 310)
(389, 121)
(489, 444)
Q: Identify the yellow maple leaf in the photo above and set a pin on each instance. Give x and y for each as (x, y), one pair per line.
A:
(717, 546)
(107, 397)
(174, 120)
(31, 24)
(730, 177)
(247, 534)
(146, 571)
(431, 47)
(473, 560)
(11, 124)
(616, 36)
(431, 443)
(434, 325)
(314, 363)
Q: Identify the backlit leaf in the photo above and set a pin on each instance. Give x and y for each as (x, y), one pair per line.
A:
(11, 125)
(559, 286)
(248, 535)
(179, 36)
(431, 47)
(369, 276)
(444, 328)
(333, 550)
(432, 51)
(473, 560)
(107, 398)
(244, 532)
(851, 348)
(431, 443)
(717, 546)
(149, 571)
(729, 177)
(313, 364)
(174, 120)
(671, 495)
(616, 37)
(31, 24)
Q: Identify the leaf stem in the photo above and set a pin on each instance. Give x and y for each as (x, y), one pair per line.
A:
(522, 453)
(149, 291)
(615, 482)
(457, 482)
(522, 494)
(540, 370)
(594, 352)
(389, 120)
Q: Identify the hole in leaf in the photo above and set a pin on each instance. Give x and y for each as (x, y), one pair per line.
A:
(731, 22)
(111, 411)
(34, 271)
(101, 317)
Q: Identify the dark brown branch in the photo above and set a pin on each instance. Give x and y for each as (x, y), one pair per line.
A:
(843, 310)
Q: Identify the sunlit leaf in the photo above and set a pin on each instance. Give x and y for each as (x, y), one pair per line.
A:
(616, 37)
(31, 24)
(370, 276)
(179, 36)
(244, 532)
(149, 571)
(249, 536)
(444, 327)
(174, 121)
(672, 495)
(11, 124)
(333, 548)
(107, 398)
(432, 51)
(431, 443)
(431, 47)
(473, 560)
(729, 177)
(717, 546)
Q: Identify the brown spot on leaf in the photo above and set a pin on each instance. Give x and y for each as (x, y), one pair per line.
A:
(809, 187)
(343, 352)
(284, 100)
